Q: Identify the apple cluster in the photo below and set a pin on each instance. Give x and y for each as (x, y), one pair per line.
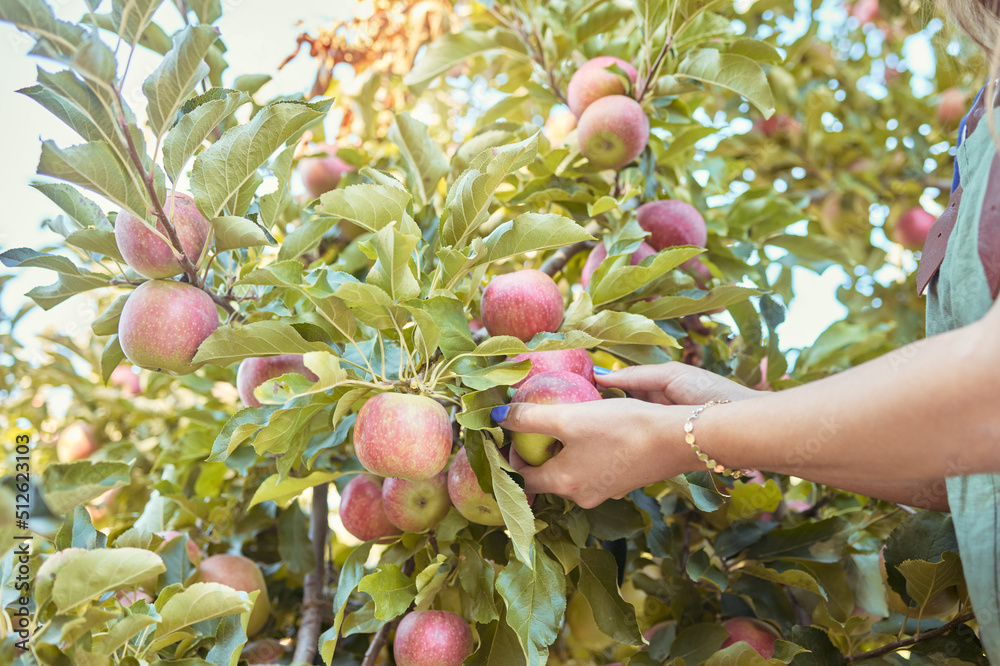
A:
(612, 127)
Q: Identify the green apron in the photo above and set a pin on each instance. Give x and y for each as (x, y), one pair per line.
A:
(958, 295)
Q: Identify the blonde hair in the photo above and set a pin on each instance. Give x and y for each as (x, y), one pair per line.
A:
(980, 20)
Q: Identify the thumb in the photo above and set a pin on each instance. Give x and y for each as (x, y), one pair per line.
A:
(528, 417)
(541, 479)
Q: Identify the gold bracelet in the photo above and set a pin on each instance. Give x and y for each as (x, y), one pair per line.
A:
(712, 465)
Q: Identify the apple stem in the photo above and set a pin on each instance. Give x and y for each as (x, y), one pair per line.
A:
(313, 604)
(906, 642)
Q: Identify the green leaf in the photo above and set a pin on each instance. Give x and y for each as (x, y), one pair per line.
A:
(392, 590)
(392, 270)
(532, 232)
(121, 632)
(305, 237)
(371, 305)
(111, 357)
(86, 110)
(599, 584)
(699, 488)
(748, 500)
(67, 485)
(72, 280)
(498, 645)
(733, 72)
(95, 572)
(737, 654)
(821, 541)
(497, 374)
(35, 17)
(273, 204)
(371, 207)
(698, 642)
(476, 577)
(283, 491)
(457, 47)
(821, 249)
(517, 515)
(350, 573)
(625, 328)
(230, 638)
(467, 204)
(535, 599)
(215, 178)
(207, 11)
(424, 163)
(197, 603)
(616, 281)
(789, 577)
(197, 124)
(651, 14)
(173, 81)
(263, 338)
(672, 307)
(233, 232)
(80, 209)
(757, 50)
(926, 535)
(925, 580)
(94, 166)
(130, 17)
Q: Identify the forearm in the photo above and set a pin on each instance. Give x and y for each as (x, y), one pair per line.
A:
(924, 411)
(920, 493)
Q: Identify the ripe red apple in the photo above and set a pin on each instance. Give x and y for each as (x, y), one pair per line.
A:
(613, 131)
(759, 635)
(403, 435)
(322, 173)
(778, 123)
(255, 371)
(702, 274)
(558, 126)
(128, 597)
(865, 11)
(671, 222)
(549, 388)
(912, 228)
(126, 380)
(951, 107)
(169, 536)
(163, 323)
(76, 442)
(600, 253)
(362, 512)
(243, 574)
(577, 361)
(594, 80)
(470, 500)
(432, 638)
(416, 506)
(523, 304)
(150, 255)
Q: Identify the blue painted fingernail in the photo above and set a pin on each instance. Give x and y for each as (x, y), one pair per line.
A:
(498, 414)
(598, 370)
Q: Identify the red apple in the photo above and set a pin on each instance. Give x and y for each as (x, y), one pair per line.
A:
(670, 223)
(361, 510)
(594, 80)
(470, 500)
(150, 255)
(558, 126)
(523, 304)
(951, 107)
(757, 634)
(76, 442)
(577, 361)
(416, 506)
(126, 380)
(243, 574)
(403, 435)
(549, 388)
(600, 253)
(702, 274)
(163, 323)
(912, 228)
(613, 131)
(192, 548)
(778, 123)
(322, 173)
(432, 638)
(255, 371)
(865, 11)
(128, 597)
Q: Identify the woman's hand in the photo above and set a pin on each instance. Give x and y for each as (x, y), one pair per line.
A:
(610, 447)
(674, 384)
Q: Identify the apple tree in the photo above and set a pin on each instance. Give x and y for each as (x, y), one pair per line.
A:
(296, 325)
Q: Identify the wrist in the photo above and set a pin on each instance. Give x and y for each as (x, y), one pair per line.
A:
(706, 435)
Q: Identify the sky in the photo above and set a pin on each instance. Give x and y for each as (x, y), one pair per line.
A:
(258, 39)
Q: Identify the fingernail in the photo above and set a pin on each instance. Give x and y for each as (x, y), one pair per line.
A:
(598, 370)
(498, 414)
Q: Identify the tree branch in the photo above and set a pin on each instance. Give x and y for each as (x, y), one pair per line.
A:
(906, 642)
(313, 603)
(558, 261)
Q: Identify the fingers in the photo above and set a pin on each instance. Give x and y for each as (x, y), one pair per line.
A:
(527, 417)
(641, 380)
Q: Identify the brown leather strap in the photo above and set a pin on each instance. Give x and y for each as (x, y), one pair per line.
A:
(937, 242)
(989, 228)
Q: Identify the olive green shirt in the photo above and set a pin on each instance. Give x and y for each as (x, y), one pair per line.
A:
(959, 295)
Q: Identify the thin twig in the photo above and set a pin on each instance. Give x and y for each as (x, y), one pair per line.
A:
(313, 604)
(558, 261)
(906, 642)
